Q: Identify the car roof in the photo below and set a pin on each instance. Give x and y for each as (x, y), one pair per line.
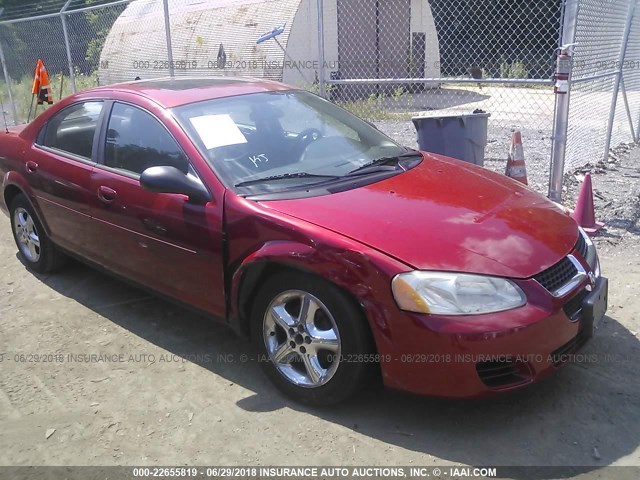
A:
(173, 92)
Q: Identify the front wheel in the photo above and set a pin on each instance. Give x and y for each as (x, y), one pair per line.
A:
(312, 339)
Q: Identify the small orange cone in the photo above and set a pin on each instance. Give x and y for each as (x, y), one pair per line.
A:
(516, 168)
(584, 212)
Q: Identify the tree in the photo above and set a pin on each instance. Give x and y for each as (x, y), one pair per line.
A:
(25, 42)
(99, 23)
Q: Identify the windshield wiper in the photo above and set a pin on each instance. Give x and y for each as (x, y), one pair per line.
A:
(285, 176)
(371, 167)
(375, 165)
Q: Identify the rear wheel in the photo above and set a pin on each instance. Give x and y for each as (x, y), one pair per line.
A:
(314, 342)
(36, 249)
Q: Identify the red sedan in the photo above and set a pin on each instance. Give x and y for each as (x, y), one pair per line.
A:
(336, 250)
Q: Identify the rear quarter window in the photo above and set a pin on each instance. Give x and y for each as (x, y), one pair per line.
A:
(73, 129)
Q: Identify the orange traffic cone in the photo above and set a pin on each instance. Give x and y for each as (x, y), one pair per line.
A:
(516, 167)
(584, 212)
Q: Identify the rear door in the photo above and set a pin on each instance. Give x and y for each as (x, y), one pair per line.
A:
(59, 171)
(163, 241)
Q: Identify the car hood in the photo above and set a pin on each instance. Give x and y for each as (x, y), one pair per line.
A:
(447, 215)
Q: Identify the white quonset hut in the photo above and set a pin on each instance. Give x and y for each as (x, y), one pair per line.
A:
(363, 39)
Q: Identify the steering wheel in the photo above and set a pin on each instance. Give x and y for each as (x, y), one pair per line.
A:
(306, 138)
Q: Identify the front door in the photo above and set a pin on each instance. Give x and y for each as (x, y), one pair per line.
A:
(160, 240)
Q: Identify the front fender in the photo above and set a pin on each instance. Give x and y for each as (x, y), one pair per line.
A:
(361, 273)
(261, 242)
(284, 253)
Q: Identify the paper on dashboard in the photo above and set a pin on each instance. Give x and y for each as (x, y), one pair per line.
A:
(217, 131)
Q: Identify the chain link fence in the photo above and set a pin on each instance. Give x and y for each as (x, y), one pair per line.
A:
(448, 57)
(385, 60)
(605, 88)
(67, 35)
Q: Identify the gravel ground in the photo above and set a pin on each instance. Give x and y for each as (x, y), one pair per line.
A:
(616, 191)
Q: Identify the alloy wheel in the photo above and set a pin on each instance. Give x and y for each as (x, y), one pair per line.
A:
(26, 235)
(302, 338)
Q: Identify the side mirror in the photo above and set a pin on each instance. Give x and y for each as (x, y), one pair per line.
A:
(165, 179)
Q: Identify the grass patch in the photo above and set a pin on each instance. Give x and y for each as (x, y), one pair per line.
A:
(371, 108)
(21, 91)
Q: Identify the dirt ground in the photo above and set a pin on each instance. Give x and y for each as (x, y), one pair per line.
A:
(176, 389)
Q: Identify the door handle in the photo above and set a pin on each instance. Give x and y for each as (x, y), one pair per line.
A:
(107, 195)
(31, 166)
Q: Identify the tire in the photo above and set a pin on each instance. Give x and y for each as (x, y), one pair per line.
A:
(315, 362)
(34, 246)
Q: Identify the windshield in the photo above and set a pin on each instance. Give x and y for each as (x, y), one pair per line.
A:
(267, 142)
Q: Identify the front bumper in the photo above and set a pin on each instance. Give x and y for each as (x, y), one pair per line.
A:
(456, 358)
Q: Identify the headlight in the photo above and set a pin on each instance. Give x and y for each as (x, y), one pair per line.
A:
(443, 293)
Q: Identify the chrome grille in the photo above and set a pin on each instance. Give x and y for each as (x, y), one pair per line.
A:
(556, 276)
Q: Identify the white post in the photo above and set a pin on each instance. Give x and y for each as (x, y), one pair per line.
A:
(561, 120)
(63, 19)
(7, 81)
(167, 32)
(321, 69)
